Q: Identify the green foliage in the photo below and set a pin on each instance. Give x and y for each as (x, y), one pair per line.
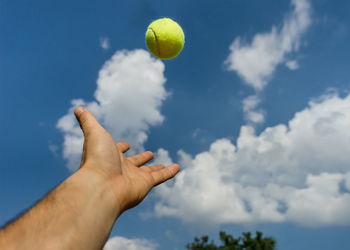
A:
(245, 242)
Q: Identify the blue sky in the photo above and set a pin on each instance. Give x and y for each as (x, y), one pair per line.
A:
(256, 109)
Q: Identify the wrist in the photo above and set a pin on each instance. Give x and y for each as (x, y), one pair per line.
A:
(99, 184)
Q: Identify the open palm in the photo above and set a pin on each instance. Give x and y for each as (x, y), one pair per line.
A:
(130, 179)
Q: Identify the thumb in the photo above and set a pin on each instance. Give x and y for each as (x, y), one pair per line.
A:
(86, 120)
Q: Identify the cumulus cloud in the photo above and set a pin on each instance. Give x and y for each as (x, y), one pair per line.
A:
(257, 61)
(162, 157)
(298, 172)
(130, 91)
(121, 243)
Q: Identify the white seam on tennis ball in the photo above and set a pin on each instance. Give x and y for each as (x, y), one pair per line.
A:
(157, 43)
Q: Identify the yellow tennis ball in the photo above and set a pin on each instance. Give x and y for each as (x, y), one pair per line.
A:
(165, 38)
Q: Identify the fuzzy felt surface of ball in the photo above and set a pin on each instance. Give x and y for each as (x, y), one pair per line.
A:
(165, 38)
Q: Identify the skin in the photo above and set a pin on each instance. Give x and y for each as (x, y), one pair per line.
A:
(81, 211)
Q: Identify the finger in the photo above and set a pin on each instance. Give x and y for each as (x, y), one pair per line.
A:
(165, 174)
(86, 120)
(152, 168)
(123, 146)
(141, 159)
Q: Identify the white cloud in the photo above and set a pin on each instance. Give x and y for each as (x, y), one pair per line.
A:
(251, 114)
(130, 91)
(162, 157)
(104, 43)
(256, 62)
(298, 173)
(53, 148)
(292, 65)
(121, 243)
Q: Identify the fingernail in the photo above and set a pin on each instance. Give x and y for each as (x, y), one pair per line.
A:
(78, 111)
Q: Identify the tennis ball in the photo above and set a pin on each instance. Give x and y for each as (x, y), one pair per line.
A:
(165, 38)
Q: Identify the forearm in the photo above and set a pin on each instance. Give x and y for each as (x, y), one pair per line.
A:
(78, 214)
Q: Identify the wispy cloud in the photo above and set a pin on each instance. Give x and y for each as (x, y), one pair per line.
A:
(53, 148)
(130, 91)
(251, 113)
(104, 43)
(257, 61)
(121, 243)
(292, 65)
(288, 173)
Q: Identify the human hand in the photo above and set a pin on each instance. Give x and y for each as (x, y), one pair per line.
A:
(127, 177)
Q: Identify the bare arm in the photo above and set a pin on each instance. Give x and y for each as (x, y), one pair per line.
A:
(81, 211)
